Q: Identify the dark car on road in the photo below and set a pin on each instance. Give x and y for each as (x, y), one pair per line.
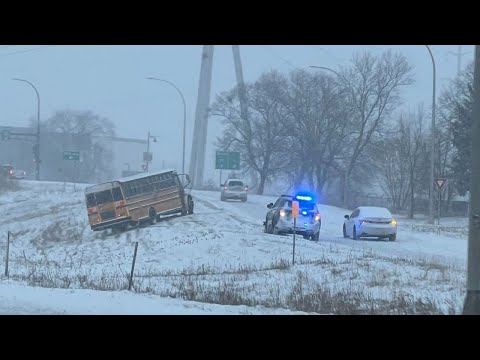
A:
(9, 171)
(279, 218)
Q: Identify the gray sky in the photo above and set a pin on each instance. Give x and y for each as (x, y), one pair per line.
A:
(110, 80)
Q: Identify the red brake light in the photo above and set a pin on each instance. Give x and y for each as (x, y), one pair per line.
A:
(317, 217)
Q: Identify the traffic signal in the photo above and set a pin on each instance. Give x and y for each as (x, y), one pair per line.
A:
(35, 151)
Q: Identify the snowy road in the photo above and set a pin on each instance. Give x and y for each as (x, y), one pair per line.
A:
(409, 243)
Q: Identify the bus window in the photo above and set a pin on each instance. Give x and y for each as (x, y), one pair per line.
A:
(104, 197)
(91, 202)
(127, 190)
(117, 194)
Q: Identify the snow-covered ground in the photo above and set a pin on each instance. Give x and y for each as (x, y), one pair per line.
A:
(219, 255)
(26, 300)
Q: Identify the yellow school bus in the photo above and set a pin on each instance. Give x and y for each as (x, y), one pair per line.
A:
(143, 197)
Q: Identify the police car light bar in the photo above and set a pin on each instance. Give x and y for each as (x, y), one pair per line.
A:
(304, 198)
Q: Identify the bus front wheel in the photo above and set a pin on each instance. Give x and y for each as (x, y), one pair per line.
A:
(190, 205)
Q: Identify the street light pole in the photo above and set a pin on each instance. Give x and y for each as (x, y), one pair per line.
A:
(37, 149)
(432, 146)
(148, 151)
(325, 68)
(148, 158)
(184, 117)
(472, 299)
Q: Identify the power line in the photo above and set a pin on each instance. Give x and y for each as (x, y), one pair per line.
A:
(281, 58)
(459, 55)
(328, 52)
(25, 51)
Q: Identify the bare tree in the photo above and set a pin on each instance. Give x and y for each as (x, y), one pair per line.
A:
(455, 109)
(261, 133)
(79, 122)
(93, 126)
(320, 121)
(403, 158)
(373, 92)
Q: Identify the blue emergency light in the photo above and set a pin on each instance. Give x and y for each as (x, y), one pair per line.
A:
(304, 198)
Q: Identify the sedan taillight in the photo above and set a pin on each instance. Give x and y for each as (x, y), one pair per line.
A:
(282, 212)
(317, 217)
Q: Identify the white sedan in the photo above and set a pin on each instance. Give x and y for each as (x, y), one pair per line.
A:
(369, 221)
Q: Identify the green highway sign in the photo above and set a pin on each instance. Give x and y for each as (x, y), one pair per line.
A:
(227, 160)
(4, 135)
(71, 155)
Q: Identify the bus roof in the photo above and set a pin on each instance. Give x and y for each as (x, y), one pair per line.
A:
(108, 184)
(144, 174)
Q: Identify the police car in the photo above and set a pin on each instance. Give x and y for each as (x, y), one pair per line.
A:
(279, 219)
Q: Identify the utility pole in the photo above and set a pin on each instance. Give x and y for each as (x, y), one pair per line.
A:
(459, 55)
(148, 150)
(472, 299)
(148, 156)
(197, 159)
(241, 85)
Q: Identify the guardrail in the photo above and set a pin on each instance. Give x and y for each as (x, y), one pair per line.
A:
(439, 229)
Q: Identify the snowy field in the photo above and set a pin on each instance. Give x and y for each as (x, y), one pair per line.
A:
(219, 261)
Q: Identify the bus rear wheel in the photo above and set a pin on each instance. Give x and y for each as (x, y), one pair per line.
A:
(152, 216)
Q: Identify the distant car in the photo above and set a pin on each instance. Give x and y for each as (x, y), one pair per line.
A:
(234, 189)
(12, 173)
(368, 221)
(279, 217)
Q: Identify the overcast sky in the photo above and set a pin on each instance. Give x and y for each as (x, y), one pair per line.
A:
(110, 80)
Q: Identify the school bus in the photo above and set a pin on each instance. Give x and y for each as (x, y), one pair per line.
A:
(139, 198)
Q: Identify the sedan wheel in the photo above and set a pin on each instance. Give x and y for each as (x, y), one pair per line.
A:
(355, 237)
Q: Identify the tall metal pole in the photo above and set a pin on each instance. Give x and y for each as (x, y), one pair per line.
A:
(432, 146)
(184, 117)
(459, 60)
(148, 149)
(241, 85)
(37, 148)
(472, 299)
(197, 159)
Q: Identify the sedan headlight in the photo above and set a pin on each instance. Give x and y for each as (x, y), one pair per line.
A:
(394, 222)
